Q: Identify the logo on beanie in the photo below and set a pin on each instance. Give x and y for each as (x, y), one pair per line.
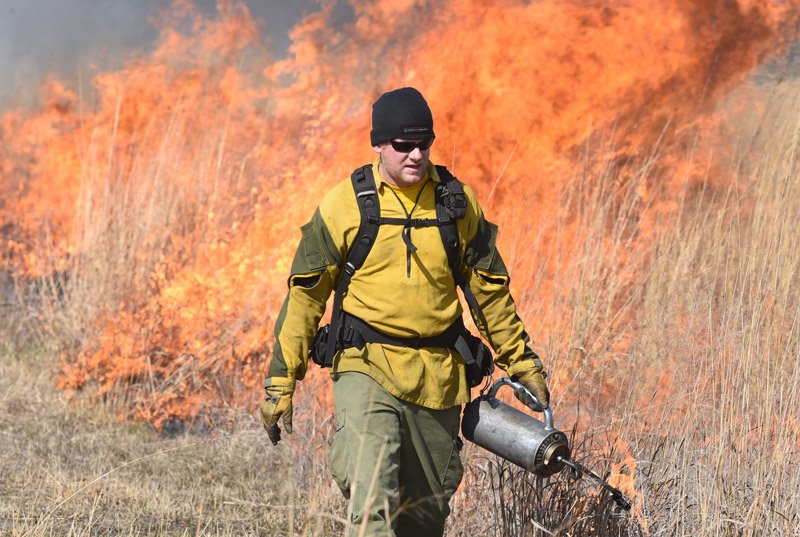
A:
(415, 130)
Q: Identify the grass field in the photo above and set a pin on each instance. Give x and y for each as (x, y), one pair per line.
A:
(76, 470)
(639, 158)
(702, 428)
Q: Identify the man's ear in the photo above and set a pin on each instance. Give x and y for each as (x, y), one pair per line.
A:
(377, 148)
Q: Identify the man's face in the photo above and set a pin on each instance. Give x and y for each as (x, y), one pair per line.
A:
(402, 168)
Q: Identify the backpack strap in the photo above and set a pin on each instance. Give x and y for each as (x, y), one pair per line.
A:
(452, 194)
(370, 209)
(451, 205)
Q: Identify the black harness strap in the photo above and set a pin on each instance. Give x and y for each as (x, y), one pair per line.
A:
(347, 330)
(370, 209)
(358, 332)
(451, 205)
(409, 222)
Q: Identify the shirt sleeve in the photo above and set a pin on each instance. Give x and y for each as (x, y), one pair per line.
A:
(313, 276)
(488, 279)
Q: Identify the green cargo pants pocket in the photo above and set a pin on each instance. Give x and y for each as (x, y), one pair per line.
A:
(340, 456)
(454, 471)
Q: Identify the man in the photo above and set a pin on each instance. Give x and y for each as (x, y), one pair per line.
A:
(401, 360)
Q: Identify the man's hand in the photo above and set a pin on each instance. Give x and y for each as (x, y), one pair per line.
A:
(277, 404)
(534, 381)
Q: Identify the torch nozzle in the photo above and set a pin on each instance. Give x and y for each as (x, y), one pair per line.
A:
(574, 465)
(616, 494)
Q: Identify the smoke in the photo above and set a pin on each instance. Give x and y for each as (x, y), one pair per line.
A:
(73, 40)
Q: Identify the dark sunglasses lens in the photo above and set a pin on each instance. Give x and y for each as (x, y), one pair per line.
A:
(403, 147)
(408, 147)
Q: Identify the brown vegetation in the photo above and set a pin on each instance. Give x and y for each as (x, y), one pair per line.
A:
(707, 400)
(653, 253)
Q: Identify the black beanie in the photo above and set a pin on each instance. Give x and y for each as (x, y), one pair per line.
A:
(402, 113)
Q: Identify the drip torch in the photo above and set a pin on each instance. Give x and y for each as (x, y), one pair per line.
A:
(522, 439)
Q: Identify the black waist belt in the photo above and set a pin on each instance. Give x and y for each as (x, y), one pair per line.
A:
(356, 333)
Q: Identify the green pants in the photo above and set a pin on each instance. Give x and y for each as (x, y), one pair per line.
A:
(398, 463)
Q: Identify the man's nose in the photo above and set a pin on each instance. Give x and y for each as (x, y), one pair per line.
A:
(416, 154)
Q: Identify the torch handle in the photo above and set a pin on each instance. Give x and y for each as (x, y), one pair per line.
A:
(525, 397)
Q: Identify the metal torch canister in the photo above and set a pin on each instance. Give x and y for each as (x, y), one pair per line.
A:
(514, 435)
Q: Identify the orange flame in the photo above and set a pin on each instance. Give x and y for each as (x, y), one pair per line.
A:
(172, 203)
(623, 477)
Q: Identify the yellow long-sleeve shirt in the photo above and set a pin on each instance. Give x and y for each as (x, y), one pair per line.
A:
(399, 296)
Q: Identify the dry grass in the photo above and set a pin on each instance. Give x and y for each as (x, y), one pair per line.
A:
(689, 351)
(73, 469)
(76, 470)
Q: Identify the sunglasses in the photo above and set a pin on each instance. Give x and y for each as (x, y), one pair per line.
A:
(408, 147)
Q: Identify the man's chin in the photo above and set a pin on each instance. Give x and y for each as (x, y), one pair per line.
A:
(413, 176)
